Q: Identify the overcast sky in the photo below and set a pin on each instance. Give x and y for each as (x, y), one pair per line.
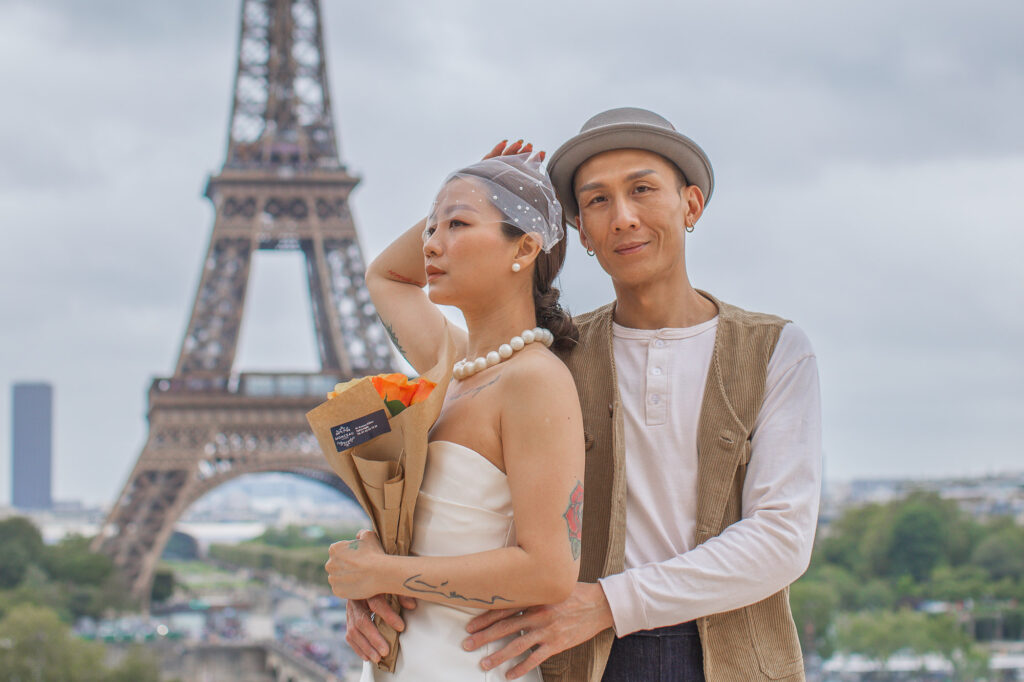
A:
(869, 160)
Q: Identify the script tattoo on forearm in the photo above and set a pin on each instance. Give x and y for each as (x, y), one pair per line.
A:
(394, 339)
(473, 391)
(414, 584)
(574, 520)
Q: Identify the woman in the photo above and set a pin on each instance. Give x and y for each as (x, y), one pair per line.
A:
(497, 519)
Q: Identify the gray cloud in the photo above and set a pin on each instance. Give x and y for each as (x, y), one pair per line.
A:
(867, 158)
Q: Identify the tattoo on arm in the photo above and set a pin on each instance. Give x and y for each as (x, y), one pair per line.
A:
(473, 391)
(402, 278)
(574, 519)
(353, 544)
(394, 339)
(414, 584)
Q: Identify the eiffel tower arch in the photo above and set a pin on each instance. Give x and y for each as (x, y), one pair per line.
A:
(282, 186)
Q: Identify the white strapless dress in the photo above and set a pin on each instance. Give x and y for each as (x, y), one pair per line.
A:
(464, 506)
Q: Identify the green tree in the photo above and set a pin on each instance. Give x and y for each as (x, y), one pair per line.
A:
(875, 594)
(917, 540)
(958, 584)
(37, 646)
(136, 666)
(838, 579)
(875, 634)
(37, 590)
(875, 545)
(18, 530)
(814, 606)
(71, 560)
(842, 544)
(163, 585)
(911, 537)
(14, 562)
(1001, 554)
(22, 546)
(880, 634)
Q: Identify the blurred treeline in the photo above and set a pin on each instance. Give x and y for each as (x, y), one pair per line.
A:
(43, 589)
(917, 574)
(300, 552)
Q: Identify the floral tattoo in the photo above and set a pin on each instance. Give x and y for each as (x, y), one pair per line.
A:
(574, 519)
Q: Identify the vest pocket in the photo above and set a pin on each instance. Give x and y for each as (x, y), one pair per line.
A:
(774, 638)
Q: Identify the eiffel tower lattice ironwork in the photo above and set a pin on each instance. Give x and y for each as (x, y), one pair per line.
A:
(282, 186)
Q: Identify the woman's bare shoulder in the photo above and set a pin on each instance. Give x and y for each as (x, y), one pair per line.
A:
(539, 376)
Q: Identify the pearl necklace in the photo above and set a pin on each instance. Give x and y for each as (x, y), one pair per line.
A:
(464, 369)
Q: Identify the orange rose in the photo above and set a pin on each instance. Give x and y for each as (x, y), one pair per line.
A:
(393, 387)
(399, 393)
(396, 390)
(423, 389)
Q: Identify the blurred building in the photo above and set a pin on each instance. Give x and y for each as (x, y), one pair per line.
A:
(983, 497)
(32, 446)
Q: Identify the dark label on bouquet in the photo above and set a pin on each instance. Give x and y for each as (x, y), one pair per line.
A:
(351, 434)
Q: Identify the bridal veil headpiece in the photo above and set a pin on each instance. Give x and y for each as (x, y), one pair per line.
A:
(519, 188)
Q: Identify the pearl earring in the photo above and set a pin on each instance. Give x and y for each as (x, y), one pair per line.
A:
(516, 267)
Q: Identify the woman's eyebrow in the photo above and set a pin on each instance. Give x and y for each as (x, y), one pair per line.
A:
(455, 208)
(459, 207)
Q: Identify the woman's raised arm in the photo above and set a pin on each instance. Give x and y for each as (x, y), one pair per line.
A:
(396, 280)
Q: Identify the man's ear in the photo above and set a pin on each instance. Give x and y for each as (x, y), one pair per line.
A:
(583, 236)
(694, 200)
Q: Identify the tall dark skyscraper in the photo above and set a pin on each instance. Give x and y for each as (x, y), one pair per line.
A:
(32, 446)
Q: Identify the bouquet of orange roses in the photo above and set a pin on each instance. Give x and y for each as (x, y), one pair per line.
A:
(373, 432)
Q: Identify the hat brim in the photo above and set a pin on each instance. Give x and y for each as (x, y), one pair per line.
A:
(674, 146)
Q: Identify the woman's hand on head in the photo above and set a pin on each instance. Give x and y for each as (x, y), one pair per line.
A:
(503, 148)
(354, 565)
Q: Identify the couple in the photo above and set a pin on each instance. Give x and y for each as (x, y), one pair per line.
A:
(693, 426)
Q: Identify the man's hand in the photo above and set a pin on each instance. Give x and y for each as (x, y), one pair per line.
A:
(362, 635)
(551, 628)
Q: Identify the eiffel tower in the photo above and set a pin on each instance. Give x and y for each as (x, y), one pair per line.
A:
(282, 186)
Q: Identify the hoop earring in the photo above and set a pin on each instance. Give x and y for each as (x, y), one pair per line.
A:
(589, 252)
(689, 228)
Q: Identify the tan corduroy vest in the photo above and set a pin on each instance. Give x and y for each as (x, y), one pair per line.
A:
(754, 643)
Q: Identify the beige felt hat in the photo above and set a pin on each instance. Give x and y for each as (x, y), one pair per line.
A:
(627, 128)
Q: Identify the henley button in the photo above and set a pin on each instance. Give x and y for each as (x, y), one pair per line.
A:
(656, 371)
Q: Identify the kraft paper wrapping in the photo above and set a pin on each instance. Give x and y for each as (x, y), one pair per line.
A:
(383, 462)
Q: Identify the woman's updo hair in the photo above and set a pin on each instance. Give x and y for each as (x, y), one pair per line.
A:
(548, 264)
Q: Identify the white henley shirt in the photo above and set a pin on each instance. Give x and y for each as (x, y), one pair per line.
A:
(667, 580)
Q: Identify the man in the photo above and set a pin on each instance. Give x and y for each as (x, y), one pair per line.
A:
(702, 425)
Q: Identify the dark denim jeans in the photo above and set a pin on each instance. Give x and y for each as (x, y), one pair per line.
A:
(669, 654)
